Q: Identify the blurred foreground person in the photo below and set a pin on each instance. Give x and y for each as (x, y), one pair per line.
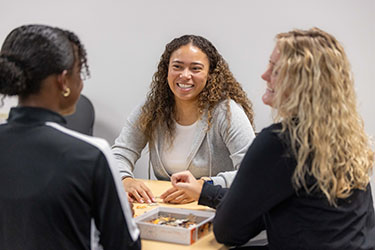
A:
(56, 185)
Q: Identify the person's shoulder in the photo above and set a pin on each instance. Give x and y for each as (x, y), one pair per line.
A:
(274, 128)
(222, 108)
(133, 117)
(224, 104)
(77, 141)
(273, 131)
(229, 111)
(136, 112)
(274, 134)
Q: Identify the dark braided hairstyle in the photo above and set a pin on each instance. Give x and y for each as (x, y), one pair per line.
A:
(30, 53)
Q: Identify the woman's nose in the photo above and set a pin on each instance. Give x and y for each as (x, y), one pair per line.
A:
(186, 73)
(266, 75)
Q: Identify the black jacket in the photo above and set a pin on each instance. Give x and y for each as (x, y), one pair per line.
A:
(262, 196)
(54, 183)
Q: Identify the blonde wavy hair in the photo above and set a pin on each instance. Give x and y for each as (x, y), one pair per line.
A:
(159, 108)
(316, 103)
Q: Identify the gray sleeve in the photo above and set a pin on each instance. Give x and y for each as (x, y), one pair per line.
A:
(129, 144)
(237, 137)
(224, 179)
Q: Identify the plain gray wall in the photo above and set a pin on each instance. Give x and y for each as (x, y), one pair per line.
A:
(125, 40)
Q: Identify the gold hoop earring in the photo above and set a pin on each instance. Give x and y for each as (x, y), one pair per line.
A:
(66, 92)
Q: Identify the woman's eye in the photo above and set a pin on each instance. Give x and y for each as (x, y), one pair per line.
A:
(274, 70)
(197, 68)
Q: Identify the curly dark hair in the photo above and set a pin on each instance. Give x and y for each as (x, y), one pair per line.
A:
(82, 54)
(159, 108)
(30, 53)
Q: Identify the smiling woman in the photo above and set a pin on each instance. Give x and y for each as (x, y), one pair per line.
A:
(187, 76)
(196, 117)
(305, 178)
(270, 77)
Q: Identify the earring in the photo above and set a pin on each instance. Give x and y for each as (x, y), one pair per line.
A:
(66, 92)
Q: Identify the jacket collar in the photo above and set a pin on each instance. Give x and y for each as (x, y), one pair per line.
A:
(30, 115)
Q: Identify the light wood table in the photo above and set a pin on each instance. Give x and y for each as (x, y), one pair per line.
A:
(158, 187)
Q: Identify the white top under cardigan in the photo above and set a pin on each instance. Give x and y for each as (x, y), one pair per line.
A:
(175, 156)
(216, 153)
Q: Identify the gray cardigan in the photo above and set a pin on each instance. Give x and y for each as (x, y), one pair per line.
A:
(216, 153)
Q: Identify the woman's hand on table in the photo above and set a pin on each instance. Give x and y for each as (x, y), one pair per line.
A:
(137, 191)
(176, 196)
(186, 182)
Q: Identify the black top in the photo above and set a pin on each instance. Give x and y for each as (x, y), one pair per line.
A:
(262, 196)
(54, 182)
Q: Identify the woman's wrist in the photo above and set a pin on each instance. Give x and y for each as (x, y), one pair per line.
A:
(127, 178)
(207, 179)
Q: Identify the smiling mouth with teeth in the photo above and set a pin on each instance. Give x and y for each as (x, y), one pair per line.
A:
(270, 90)
(185, 86)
